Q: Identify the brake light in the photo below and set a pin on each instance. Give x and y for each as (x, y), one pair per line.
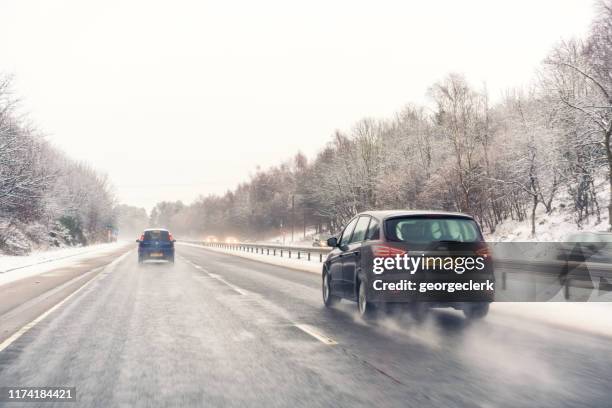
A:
(484, 251)
(142, 237)
(383, 251)
(170, 238)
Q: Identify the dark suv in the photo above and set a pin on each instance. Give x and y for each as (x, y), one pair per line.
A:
(370, 238)
(156, 244)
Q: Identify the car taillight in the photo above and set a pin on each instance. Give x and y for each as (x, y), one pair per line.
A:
(142, 237)
(383, 251)
(484, 251)
(170, 238)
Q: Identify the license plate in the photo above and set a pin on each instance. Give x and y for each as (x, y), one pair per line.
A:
(156, 254)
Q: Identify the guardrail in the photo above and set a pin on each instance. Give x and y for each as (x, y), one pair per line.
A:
(306, 253)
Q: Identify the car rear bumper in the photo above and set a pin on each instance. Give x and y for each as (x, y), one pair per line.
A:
(156, 253)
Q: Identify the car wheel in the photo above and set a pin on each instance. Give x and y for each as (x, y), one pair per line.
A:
(366, 308)
(328, 299)
(475, 311)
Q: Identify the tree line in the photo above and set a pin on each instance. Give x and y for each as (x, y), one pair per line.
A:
(494, 161)
(46, 198)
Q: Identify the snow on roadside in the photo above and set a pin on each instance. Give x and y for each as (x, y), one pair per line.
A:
(13, 268)
(300, 239)
(554, 227)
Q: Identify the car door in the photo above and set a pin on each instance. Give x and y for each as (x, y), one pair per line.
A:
(335, 259)
(351, 258)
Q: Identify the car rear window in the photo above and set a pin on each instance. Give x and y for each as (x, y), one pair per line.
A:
(432, 229)
(156, 236)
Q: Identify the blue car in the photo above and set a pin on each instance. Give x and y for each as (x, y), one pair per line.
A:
(156, 244)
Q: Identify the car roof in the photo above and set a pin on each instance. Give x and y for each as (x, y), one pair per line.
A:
(155, 229)
(384, 214)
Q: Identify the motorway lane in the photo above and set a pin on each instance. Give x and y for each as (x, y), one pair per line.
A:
(218, 330)
(22, 300)
(498, 362)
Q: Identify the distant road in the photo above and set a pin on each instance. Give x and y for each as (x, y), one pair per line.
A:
(220, 330)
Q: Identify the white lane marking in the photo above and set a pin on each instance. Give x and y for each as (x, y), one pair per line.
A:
(314, 333)
(34, 322)
(195, 265)
(185, 259)
(220, 279)
(310, 330)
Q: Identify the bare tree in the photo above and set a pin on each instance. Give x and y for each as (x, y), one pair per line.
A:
(582, 78)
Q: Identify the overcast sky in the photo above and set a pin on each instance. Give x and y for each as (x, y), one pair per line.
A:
(180, 98)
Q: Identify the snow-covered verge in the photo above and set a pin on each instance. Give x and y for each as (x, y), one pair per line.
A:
(17, 238)
(13, 268)
(299, 238)
(590, 317)
(556, 226)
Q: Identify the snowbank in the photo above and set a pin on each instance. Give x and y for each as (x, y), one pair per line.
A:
(554, 227)
(13, 268)
(299, 239)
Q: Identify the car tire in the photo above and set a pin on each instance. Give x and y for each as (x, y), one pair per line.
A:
(365, 307)
(329, 300)
(475, 311)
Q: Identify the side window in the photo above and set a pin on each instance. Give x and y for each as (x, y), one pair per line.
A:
(360, 230)
(373, 231)
(346, 235)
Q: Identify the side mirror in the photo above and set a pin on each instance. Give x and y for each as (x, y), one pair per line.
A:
(332, 242)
